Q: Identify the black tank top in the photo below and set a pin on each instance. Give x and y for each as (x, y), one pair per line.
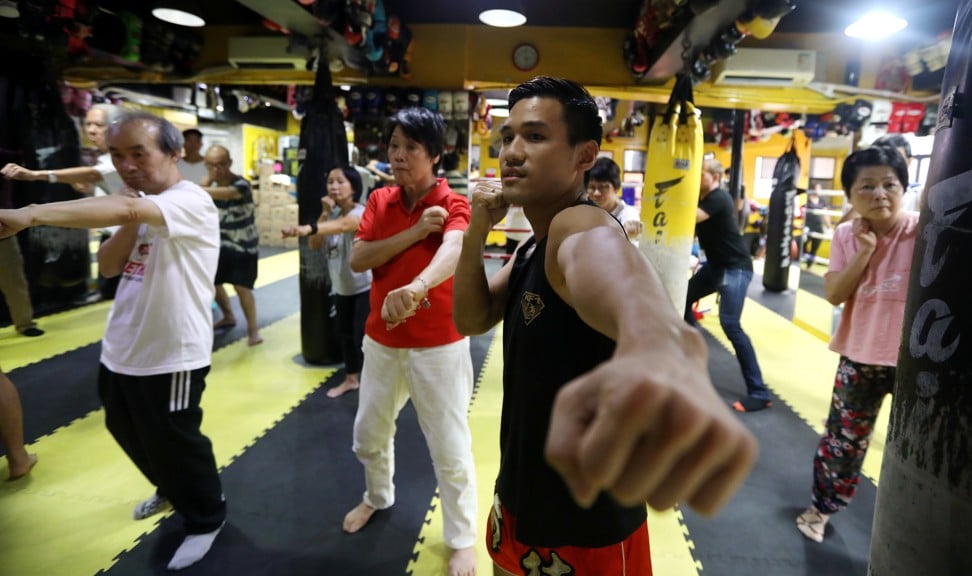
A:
(546, 345)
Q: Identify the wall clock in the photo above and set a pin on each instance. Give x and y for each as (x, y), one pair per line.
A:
(526, 57)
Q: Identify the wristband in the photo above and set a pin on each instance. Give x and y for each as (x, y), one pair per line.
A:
(425, 304)
(313, 227)
(51, 176)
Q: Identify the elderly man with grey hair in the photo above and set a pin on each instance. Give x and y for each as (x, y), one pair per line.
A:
(100, 179)
(157, 346)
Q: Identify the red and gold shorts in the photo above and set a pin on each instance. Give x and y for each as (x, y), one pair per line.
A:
(630, 557)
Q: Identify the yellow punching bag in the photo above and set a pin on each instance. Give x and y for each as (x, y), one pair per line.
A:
(670, 197)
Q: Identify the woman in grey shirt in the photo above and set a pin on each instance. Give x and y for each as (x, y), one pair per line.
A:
(333, 233)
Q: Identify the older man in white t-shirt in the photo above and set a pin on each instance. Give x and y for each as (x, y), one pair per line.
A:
(158, 340)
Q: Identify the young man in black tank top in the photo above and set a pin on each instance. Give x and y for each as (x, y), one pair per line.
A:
(607, 400)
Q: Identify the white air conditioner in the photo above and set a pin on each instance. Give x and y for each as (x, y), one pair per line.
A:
(264, 53)
(766, 67)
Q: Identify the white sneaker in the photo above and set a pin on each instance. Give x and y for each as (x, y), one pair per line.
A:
(150, 507)
(811, 523)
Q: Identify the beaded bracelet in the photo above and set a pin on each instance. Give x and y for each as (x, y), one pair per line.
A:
(425, 300)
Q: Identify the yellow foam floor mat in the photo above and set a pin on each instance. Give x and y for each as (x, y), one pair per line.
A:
(799, 368)
(83, 326)
(814, 315)
(72, 515)
(671, 547)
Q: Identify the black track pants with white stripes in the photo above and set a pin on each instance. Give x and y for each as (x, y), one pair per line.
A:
(156, 419)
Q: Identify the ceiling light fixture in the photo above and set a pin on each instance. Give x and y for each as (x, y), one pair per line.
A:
(179, 12)
(876, 25)
(503, 13)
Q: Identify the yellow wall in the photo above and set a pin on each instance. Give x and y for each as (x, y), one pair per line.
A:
(616, 146)
(258, 143)
(773, 147)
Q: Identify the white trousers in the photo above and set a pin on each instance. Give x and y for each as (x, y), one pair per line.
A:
(439, 381)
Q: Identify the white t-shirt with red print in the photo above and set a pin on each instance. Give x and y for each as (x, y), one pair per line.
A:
(161, 320)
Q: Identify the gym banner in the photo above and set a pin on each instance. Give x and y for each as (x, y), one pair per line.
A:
(673, 172)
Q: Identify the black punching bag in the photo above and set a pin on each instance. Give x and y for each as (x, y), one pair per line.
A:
(37, 128)
(923, 514)
(779, 228)
(323, 146)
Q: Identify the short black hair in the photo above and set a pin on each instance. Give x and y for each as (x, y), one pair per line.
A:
(873, 156)
(580, 110)
(606, 170)
(191, 132)
(450, 161)
(895, 141)
(422, 125)
(372, 152)
(354, 178)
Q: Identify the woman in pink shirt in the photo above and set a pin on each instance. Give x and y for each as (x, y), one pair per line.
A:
(870, 264)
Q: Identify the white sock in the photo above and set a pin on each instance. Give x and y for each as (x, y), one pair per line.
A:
(192, 549)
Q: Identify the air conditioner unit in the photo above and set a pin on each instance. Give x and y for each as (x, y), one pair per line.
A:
(265, 53)
(767, 67)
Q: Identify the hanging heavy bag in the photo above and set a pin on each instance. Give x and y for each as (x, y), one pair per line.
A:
(671, 193)
(923, 510)
(323, 146)
(779, 232)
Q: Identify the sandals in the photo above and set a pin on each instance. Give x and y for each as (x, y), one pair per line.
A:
(812, 523)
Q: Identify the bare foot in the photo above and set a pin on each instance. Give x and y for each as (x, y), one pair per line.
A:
(224, 323)
(357, 518)
(21, 469)
(346, 386)
(463, 562)
(254, 339)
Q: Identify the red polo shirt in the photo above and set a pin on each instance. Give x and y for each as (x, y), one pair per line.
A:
(385, 216)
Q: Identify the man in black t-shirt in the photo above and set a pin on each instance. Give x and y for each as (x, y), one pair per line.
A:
(728, 269)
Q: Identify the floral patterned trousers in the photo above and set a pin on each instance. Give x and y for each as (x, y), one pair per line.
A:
(859, 390)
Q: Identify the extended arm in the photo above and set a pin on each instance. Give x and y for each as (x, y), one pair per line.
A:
(77, 175)
(383, 176)
(325, 228)
(646, 426)
(223, 192)
(100, 212)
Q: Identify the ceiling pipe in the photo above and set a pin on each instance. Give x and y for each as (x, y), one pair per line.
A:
(146, 99)
(830, 90)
